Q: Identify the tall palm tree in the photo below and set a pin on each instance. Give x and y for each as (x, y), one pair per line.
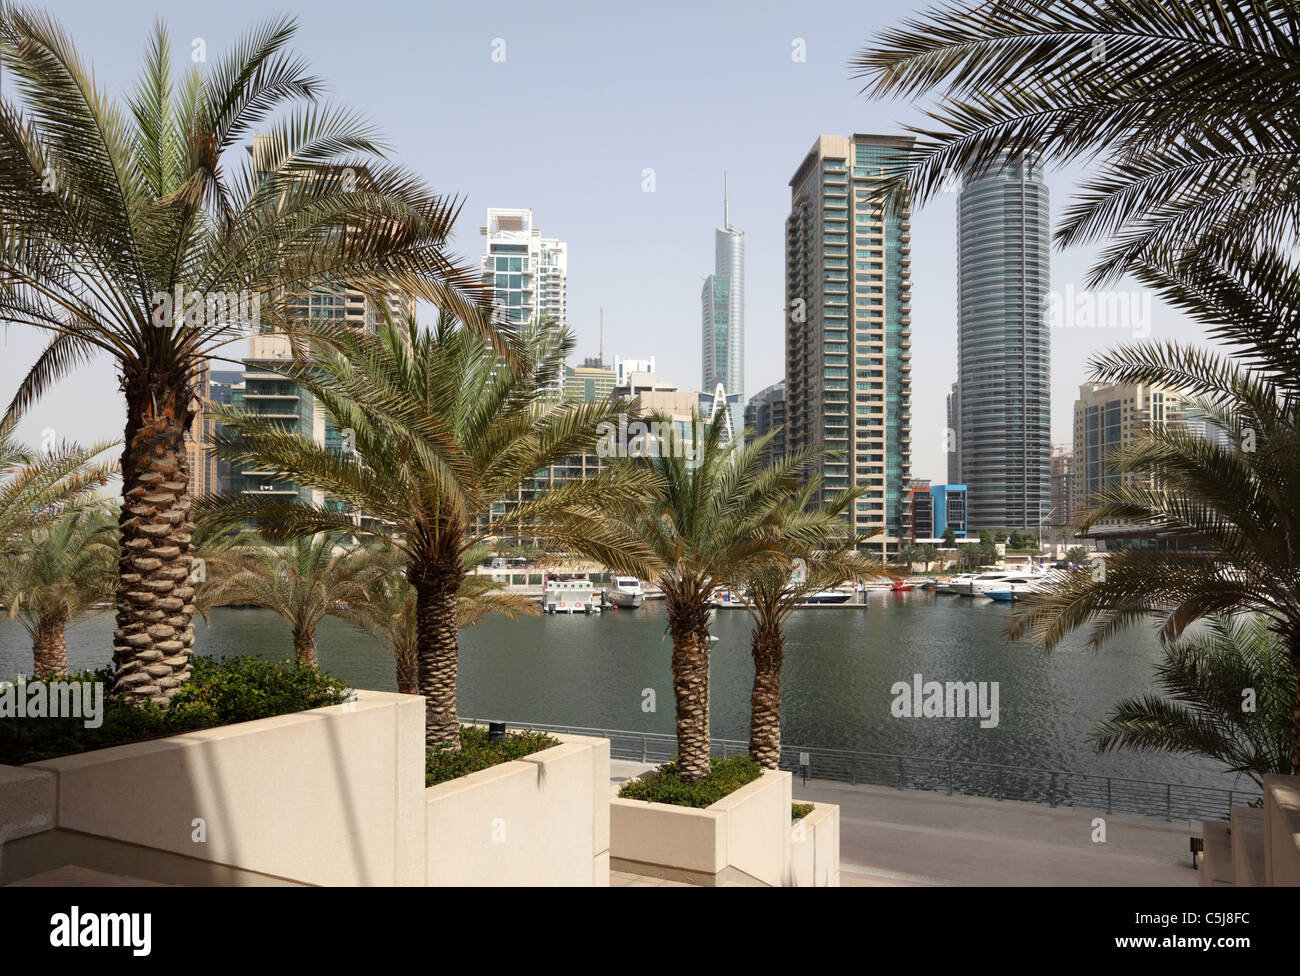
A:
(827, 554)
(37, 487)
(721, 515)
(1206, 677)
(448, 443)
(304, 582)
(1191, 106)
(62, 574)
(109, 210)
(387, 612)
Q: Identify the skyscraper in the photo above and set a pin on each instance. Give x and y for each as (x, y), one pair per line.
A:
(722, 303)
(527, 274)
(848, 325)
(766, 412)
(1003, 407)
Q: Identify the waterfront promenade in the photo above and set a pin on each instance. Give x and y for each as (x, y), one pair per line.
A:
(916, 837)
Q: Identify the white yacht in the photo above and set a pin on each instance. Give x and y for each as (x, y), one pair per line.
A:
(569, 594)
(950, 585)
(624, 592)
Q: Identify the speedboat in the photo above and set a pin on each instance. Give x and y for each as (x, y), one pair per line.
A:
(901, 586)
(624, 592)
(1015, 589)
(834, 595)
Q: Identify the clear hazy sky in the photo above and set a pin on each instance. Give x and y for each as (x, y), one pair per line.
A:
(590, 95)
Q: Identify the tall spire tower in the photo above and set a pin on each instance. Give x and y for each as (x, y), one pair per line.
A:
(722, 303)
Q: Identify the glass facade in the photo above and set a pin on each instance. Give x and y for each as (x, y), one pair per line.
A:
(1003, 398)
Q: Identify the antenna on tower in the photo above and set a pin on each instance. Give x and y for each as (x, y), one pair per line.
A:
(602, 336)
(726, 206)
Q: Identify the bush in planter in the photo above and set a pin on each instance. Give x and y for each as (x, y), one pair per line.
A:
(799, 810)
(478, 752)
(219, 692)
(665, 785)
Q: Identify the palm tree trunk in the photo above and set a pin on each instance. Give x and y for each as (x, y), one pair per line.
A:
(408, 671)
(768, 647)
(304, 646)
(438, 649)
(1293, 643)
(155, 596)
(50, 648)
(689, 624)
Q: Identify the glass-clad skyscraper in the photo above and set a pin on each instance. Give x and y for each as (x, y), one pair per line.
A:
(1003, 408)
(849, 325)
(722, 303)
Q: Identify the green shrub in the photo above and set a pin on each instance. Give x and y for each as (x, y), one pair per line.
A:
(219, 692)
(478, 752)
(665, 785)
(799, 810)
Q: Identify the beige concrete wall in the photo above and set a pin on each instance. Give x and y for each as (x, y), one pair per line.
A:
(333, 796)
(26, 804)
(329, 796)
(1216, 865)
(540, 820)
(1247, 830)
(744, 836)
(1281, 830)
(815, 848)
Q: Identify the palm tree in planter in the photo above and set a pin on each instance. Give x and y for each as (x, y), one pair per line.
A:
(722, 514)
(63, 574)
(304, 582)
(1203, 713)
(448, 444)
(826, 554)
(109, 212)
(387, 612)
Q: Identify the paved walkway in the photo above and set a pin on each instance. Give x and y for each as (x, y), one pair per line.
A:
(913, 837)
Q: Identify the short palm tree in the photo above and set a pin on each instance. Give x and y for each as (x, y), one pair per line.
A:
(448, 442)
(63, 574)
(108, 210)
(1190, 105)
(1229, 693)
(827, 553)
(37, 487)
(722, 515)
(304, 582)
(387, 613)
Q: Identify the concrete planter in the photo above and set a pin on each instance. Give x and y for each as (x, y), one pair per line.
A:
(815, 848)
(332, 796)
(543, 819)
(744, 837)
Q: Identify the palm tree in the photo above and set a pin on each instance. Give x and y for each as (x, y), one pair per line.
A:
(720, 516)
(62, 574)
(1204, 712)
(1189, 104)
(826, 554)
(1233, 503)
(37, 487)
(107, 211)
(448, 444)
(387, 612)
(304, 582)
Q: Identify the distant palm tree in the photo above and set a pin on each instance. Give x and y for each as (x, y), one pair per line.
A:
(446, 440)
(826, 554)
(1229, 694)
(1190, 105)
(63, 573)
(39, 487)
(304, 582)
(722, 515)
(387, 612)
(107, 211)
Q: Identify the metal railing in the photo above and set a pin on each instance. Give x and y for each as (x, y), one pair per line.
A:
(1056, 787)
